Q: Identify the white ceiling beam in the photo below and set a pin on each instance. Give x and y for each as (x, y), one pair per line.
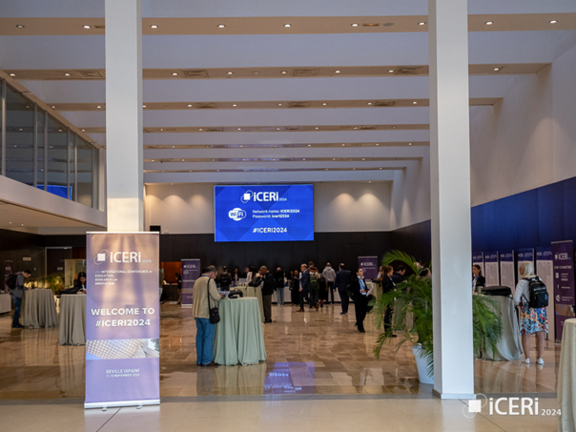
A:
(303, 165)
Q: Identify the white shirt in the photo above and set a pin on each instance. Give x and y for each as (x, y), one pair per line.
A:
(522, 294)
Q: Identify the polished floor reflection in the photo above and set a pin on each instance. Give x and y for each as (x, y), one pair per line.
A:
(308, 353)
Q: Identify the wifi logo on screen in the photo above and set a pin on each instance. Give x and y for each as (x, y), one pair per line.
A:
(246, 197)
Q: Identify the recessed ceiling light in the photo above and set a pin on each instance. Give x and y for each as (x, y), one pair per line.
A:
(390, 70)
(326, 169)
(216, 170)
(221, 26)
(83, 130)
(161, 130)
(239, 128)
(143, 106)
(336, 71)
(189, 105)
(489, 22)
(393, 127)
(355, 128)
(12, 74)
(380, 168)
(234, 105)
(172, 184)
(287, 25)
(409, 143)
(414, 103)
(277, 129)
(363, 158)
(553, 21)
(333, 158)
(154, 26)
(87, 27)
(353, 169)
(19, 26)
(369, 103)
(497, 69)
(284, 72)
(309, 145)
(152, 160)
(27, 107)
(324, 104)
(99, 106)
(200, 129)
(317, 128)
(174, 73)
(421, 23)
(20, 129)
(369, 182)
(66, 74)
(377, 144)
(230, 73)
(241, 146)
(355, 25)
(53, 106)
(173, 146)
(279, 104)
(343, 145)
(303, 158)
(255, 72)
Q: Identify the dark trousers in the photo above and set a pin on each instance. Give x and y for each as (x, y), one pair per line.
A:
(224, 287)
(17, 310)
(388, 318)
(314, 297)
(267, 303)
(345, 300)
(360, 306)
(303, 296)
(330, 288)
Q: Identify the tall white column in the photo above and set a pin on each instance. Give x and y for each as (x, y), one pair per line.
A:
(450, 197)
(124, 151)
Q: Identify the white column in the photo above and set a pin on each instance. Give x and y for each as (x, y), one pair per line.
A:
(450, 198)
(124, 124)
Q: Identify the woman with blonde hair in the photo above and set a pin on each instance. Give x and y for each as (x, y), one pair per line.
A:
(532, 320)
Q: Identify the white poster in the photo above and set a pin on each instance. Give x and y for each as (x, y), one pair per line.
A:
(492, 269)
(545, 269)
(507, 270)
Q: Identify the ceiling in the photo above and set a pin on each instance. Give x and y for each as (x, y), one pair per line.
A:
(258, 101)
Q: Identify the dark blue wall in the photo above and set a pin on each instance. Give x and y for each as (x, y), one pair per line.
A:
(526, 220)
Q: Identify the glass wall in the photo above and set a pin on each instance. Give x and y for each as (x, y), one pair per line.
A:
(19, 138)
(44, 153)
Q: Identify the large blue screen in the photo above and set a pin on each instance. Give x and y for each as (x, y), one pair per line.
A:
(264, 213)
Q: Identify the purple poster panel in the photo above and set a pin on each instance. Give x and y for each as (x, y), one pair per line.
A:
(190, 272)
(122, 320)
(563, 263)
(370, 266)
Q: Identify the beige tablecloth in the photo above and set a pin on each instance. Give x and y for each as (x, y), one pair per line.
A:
(249, 291)
(73, 319)
(39, 309)
(510, 345)
(239, 338)
(5, 303)
(567, 378)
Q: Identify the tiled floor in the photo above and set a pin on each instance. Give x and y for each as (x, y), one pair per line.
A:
(310, 353)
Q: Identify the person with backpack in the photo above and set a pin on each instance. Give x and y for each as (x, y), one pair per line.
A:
(314, 288)
(532, 298)
(16, 284)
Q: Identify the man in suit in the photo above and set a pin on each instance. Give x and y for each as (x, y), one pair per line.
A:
(342, 282)
(359, 292)
(304, 285)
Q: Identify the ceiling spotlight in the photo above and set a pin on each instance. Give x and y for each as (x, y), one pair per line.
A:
(333, 158)
(230, 73)
(19, 26)
(336, 71)
(189, 105)
(489, 22)
(553, 21)
(83, 130)
(221, 26)
(241, 146)
(87, 27)
(355, 25)
(414, 103)
(377, 144)
(369, 103)
(343, 145)
(284, 72)
(409, 143)
(143, 106)
(353, 169)
(161, 130)
(279, 104)
(390, 70)
(324, 104)
(421, 23)
(239, 128)
(363, 159)
(309, 145)
(255, 72)
(152, 160)
(355, 128)
(66, 74)
(287, 25)
(200, 129)
(234, 105)
(380, 168)
(12, 74)
(317, 128)
(154, 26)
(303, 159)
(174, 73)
(277, 129)
(326, 169)
(53, 106)
(99, 106)
(173, 146)
(497, 69)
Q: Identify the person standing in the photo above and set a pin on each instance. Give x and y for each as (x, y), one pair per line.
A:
(80, 283)
(225, 280)
(249, 273)
(342, 283)
(532, 321)
(314, 288)
(17, 293)
(236, 277)
(268, 288)
(330, 277)
(399, 274)
(387, 286)
(477, 279)
(294, 288)
(205, 290)
(280, 283)
(304, 285)
(360, 292)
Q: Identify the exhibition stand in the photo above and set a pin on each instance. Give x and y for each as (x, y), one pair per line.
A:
(73, 319)
(39, 309)
(238, 338)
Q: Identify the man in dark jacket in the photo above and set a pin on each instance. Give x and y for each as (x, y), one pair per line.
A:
(225, 280)
(17, 294)
(399, 274)
(268, 288)
(304, 285)
(342, 283)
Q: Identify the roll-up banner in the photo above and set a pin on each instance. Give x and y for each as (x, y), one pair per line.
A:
(507, 270)
(563, 262)
(492, 270)
(190, 272)
(370, 266)
(478, 259)
(525, 255)
(122, 320)
(544, 269)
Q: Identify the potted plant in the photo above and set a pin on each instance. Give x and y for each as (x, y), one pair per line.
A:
(413, 317)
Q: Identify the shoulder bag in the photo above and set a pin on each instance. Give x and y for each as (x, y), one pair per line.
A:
(213, 312)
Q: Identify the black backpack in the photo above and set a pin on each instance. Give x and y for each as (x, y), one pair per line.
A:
(225, 279)
(11, 282)
(538, 293)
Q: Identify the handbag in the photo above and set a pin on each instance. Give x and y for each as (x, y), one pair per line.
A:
(213, 312)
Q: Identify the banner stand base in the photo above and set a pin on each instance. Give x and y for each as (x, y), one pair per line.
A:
(122, 404)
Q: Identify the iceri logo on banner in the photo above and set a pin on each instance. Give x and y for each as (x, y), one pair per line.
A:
(119, 257)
